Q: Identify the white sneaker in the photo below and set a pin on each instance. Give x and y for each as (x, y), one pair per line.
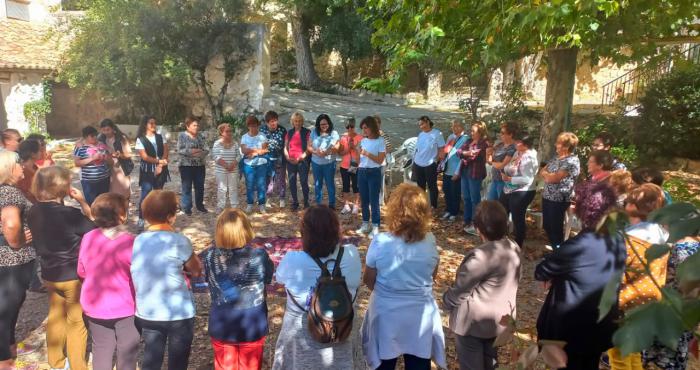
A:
(445, 215)
(355, 210)
(375, 231)
(470, 230)
(452, 218)
(249, 208)
(283, 203)
(262, 208)
(346, 209)
(364, 229)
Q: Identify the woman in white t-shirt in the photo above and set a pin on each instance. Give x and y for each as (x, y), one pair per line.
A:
(255, 164)
(402, 317)
(369, 174)
(324, 143)
(296, 348)
(429, 152)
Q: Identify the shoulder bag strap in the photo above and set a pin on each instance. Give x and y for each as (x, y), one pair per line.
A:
(291, 296)
(336, 266)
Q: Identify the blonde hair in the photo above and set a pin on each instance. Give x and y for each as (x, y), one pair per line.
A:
(481, 129)
(296, 115)
(621, 181)
(8, 161)
(233, 229)
(408, 213)
(51, 183)
(222, 127)
(569, 140)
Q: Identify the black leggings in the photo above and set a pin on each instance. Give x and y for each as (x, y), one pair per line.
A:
(427, 176)
(411, 362)
(553, 216)
(516, 204)
(349, 178)
(14, 282)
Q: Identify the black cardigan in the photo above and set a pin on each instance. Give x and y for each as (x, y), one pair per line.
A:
(579, 271)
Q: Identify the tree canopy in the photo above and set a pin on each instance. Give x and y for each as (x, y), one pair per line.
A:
(145, 54)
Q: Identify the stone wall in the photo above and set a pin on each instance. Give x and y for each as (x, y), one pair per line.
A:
(247, 89)
(70, 112)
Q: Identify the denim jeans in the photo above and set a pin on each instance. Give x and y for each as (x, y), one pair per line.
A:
(553, 215)
(192, 175)
(301, 170)
(91, 189)
(146, 188)
(369, 180)
(411, 362)
(471, 192)
(516, 204)
(177, 334)
(453, 194)
(324, 173)
(495, 190)
(255, 181)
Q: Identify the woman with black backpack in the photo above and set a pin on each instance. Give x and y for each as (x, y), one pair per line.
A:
(153, 150)
(120, 149)
(309, 339)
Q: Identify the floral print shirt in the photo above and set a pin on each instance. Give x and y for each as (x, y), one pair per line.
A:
(563, 190)
(11, 196)
(275, 140)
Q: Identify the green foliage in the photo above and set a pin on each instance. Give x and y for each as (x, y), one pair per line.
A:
(35, 111)
(237, 122)
(680, 192)
(619, 128)
(670, 116)
(344, 30)
(379, 85)
(512, 108)
(678, 310)
(145, 54)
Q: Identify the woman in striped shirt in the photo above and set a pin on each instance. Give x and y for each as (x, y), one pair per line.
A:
(226, 153)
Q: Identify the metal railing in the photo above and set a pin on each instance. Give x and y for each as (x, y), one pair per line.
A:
(630, 87)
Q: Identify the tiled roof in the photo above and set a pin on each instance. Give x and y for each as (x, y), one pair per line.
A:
(26, 45)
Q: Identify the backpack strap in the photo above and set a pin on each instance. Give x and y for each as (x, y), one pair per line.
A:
(336, 266)
(290, 295)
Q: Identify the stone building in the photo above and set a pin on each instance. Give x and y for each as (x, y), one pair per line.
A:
(31, 52)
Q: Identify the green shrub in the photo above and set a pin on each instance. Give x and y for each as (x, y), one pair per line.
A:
(378, 85)
(619, 128)
(512, 108)
(237, 123)
(670, 116)
(680, 192)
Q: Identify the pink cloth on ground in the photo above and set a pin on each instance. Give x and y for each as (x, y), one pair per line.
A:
(104, 265)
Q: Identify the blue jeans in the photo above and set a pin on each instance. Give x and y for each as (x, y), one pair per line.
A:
(192, 175)
(146, 187)
(324, 173)
(91, 189)
(369, 181)
(471, 191)
(453, 194)
(495, 190)
(255, 179)
(175, 335)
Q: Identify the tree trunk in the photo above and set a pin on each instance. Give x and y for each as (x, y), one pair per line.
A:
(561, 74)
(344, 62)
(302, 48)
(434, 86)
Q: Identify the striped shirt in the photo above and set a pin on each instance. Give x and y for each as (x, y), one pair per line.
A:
(95, 170)
(228, 155)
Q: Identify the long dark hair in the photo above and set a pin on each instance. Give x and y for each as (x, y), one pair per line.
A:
(142, 126)
(117, 132)
(320, 118)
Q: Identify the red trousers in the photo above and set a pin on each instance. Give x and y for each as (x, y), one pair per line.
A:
(235, 356)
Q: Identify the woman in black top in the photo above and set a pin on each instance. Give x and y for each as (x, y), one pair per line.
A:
(57, 231)
(577, 273)
(153, 151)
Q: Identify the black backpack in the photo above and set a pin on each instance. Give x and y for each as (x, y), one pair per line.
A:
(330, 315)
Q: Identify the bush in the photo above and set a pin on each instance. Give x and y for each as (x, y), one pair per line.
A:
(618, 127)
(670, 116)
(512, 108)
(378, 85)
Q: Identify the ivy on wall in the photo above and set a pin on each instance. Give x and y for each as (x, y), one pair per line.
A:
(35, 111)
